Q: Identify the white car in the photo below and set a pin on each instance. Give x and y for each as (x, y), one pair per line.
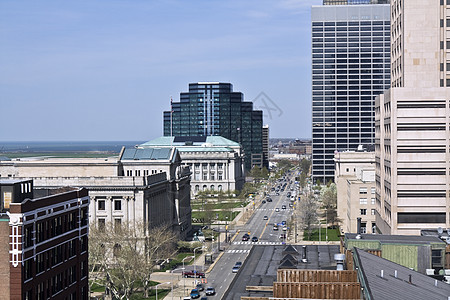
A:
(277, 209)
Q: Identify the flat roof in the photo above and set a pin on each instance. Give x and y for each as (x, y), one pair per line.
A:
(197, 141)
(385, 238)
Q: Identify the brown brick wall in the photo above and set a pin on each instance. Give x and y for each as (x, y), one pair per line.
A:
(4, 259)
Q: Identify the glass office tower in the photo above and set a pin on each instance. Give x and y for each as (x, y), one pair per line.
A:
(212, 108)
(350, 66)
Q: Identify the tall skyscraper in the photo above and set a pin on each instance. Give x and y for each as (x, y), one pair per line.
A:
(412, 148)
(265, 135)
(350, 66)
(213, 108)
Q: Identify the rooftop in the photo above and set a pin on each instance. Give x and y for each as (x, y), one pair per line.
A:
(260, 267)
(404, 239)
(152, 153)
(387, 286)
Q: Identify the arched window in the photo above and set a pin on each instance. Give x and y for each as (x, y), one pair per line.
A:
(219, 187)
(205, 187)
(197, 188)
(212, 187)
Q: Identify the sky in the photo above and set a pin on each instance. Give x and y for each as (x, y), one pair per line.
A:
(104, 70)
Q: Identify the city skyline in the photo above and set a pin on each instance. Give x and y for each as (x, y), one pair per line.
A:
(84, 71)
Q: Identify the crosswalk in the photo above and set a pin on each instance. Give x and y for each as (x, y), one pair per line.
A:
(270, 209)
(238, 251)
(258, 243)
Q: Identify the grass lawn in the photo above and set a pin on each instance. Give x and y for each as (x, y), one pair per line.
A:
(138, 295)
(222, 215)
(333, 235)
(224, 205)
(178, 260)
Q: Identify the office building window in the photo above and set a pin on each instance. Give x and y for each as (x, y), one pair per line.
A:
(363, 211)
(363, 201)
(363, 190)
(372, 211)
(372, 201)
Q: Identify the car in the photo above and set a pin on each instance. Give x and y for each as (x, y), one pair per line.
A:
(204, 298)
(254, 239)
(195, 294)
(235, 269)
(275, 227)
(200, 287)
(238, 263)
(284, 228)
(283, 222)
(282, 236)
(210, 291)
(291, 205)
(269, 199)
(266, 218)
(278, 194)
(277, 209)
(192, 274)
(263, 202)
(283, 206)
(245, 237)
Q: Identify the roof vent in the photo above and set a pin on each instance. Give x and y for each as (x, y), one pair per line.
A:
(358, 237)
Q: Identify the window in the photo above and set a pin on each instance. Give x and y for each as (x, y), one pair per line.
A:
(138, 172)
(372, 201)
(101, 204)
(219, 187)
(374, 228)
(372, 190)
(219, 176)
(363, 227)
(197, 188)
(363, 211)
(372, 211)
(211, 176)
(205, 176)
(363, 190)
(363, 201)
(117, 224)
(117, 204)
(101, 224)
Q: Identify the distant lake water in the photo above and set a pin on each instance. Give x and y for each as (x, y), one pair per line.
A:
(67, 146)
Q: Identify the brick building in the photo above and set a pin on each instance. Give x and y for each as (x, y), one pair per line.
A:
(43, 242)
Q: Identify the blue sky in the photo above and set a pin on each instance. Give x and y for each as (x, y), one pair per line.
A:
(106, 69)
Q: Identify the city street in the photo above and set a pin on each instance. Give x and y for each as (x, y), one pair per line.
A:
(221, 275)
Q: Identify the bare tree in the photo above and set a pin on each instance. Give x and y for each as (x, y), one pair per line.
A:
(328, 195)
(308, 214)
(122, 255)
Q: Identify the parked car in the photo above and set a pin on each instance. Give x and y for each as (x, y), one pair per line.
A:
(210, 291)
(238, 263)
(254, 239)
(195, 294)
(192, 274)
(200, 287)
(235, 269)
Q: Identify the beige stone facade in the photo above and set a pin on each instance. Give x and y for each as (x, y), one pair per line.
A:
(355, 183)
(122, 190)
(412, 122)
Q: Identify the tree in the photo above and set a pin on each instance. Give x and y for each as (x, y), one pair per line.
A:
(122, 255)
(328, 196)
(305, 165)
(308, 214)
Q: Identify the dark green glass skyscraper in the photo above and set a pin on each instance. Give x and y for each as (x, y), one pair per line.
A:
(212, 108)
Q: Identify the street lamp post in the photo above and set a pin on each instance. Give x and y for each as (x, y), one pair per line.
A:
(171, 272)
(226, 229)
(156, 287)
(218, 237)
(195, 273)
(184, 281)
